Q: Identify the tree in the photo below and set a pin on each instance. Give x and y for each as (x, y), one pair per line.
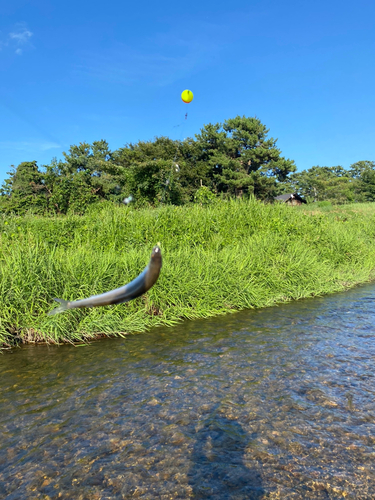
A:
(87, 175)
(363, 173)
(24, 189)
(155, 171)
(103, 175)
(357, 169)
(323, 183)
(237, 156)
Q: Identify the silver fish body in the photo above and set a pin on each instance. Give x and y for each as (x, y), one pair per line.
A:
(132, 290)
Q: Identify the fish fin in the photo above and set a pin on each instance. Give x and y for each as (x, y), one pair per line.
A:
(61, 308)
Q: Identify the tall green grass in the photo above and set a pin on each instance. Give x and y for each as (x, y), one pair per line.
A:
(217, 259)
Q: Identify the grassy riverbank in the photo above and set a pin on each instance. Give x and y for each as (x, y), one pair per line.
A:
(229, 256)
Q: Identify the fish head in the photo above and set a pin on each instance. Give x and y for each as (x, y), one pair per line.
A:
(156, 254)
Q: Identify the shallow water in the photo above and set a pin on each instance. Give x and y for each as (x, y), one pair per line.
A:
(277, 403)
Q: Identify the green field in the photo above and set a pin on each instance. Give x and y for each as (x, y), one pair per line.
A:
(228, 256)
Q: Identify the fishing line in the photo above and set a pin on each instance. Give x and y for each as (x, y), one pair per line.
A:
(174, 167)
(186, 96)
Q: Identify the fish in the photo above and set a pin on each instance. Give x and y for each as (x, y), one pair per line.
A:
(140, 285)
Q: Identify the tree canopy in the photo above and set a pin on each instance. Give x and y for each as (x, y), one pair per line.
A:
(233, 158)
(335, 184)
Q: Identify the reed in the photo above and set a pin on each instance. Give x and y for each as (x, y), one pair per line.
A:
(225, 257)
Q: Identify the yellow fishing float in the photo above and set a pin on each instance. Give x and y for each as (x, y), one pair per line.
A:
(187, 96)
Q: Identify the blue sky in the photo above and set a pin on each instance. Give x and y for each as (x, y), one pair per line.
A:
(82, 71)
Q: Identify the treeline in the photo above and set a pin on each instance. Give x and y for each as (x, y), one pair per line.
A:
(235, 158)
(334, 184)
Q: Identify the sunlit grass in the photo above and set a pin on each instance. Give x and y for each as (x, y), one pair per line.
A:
(229, 256)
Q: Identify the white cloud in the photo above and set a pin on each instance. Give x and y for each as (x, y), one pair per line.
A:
(3, 42)
(160, 60)
(29, 146)
(22, 36)
(45, 146)
(18, 39)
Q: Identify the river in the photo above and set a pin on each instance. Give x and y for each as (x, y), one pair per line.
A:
(277, 403)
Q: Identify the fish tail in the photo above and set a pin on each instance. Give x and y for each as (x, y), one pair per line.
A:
(61, 308)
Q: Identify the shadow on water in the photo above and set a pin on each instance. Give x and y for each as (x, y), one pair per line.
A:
(219, 471)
